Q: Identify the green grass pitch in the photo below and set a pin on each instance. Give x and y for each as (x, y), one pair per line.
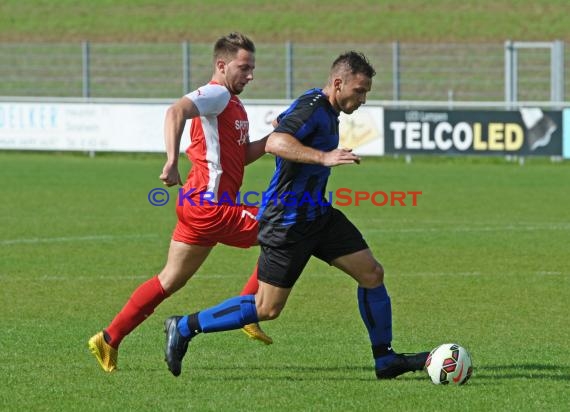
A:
(482, 260)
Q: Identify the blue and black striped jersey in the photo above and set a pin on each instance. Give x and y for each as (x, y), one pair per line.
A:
(296, 192)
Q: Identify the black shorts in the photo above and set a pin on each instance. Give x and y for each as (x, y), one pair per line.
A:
(285, 250)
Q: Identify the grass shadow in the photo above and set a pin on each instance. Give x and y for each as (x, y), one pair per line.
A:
(524, 371)
(292, 372)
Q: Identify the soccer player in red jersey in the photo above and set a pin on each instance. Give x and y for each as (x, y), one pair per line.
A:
(219, 150)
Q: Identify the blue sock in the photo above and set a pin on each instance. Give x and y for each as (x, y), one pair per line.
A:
(231, 314)
(376, 312)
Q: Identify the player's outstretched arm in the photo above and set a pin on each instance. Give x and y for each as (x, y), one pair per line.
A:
(255, 150)
(288, 147)
(174, 122)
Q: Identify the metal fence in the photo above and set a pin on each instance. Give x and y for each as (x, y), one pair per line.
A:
(498, 72)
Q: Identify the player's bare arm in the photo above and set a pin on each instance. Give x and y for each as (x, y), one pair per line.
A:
(174, 123)
(255, 150)
(289, 148)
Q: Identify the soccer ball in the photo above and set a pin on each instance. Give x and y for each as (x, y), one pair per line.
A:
(449, 364)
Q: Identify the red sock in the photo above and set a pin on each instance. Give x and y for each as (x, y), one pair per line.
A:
(140, 305)
(252, 284)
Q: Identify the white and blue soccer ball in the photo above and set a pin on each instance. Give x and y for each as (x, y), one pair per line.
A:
(449, 364)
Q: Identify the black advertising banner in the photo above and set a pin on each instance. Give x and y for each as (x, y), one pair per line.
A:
(524, 132)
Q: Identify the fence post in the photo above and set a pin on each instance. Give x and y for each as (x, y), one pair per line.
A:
(289, 70)
(85, 58)
(510, 73)
(561, 83)
(396, 70)
(557, 71)
(185, 67)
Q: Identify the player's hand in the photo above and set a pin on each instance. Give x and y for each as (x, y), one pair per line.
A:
(340, 157)
(170, 175)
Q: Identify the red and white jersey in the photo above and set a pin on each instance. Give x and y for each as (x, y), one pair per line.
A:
(218, 144)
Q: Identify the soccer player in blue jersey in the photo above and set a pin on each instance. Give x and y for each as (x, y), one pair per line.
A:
(296, 222)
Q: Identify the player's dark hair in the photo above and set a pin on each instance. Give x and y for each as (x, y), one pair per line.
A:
(228, 46)
(353, 62)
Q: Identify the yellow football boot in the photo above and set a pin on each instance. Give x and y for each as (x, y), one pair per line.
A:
(255, 332)
(106, 354)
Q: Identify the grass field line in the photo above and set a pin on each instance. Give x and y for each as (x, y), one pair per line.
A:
(509, 227)
(105, 238)
(216, 276)
(91, 238)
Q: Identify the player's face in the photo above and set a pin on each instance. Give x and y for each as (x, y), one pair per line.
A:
(352, 93)
(239, 71)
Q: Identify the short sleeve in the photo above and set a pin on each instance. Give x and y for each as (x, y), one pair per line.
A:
(210, 99)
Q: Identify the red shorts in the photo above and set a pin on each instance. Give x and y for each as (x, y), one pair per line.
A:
(208, 225)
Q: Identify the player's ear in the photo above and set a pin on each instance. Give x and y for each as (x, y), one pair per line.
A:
(337, 82)
(221, 66)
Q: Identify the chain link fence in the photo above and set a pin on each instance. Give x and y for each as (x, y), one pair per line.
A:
(434, 72)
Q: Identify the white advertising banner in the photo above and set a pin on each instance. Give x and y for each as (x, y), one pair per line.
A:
(362, 130)
(138, 127)
(260, 118)
(82, 126)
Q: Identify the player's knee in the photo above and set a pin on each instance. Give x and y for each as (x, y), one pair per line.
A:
(374, 278)
(269, 312)
(171, 283)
